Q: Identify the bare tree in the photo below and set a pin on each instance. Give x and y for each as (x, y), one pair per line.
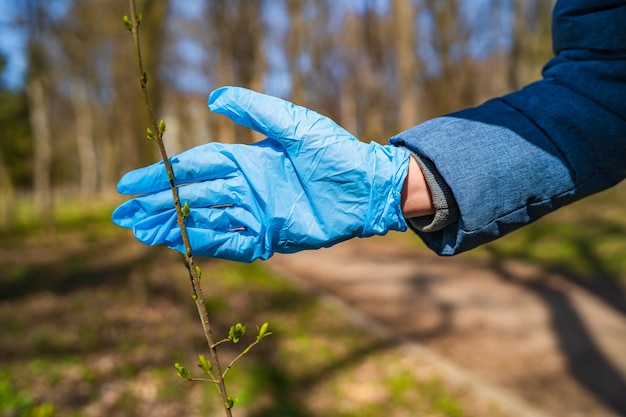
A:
(373, 73)
(37, 88)
(42, 158)
(349, 108)
(6, 192)
(407, 63)
(235, 56)
(77, 44)
(530, 47)
(85, 142)
(299, 30)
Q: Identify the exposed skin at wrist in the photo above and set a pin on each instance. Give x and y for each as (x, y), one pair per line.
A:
(416, 199)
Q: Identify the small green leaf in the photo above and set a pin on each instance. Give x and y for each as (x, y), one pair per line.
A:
(262, 331)
(230, 402)
(204, 364)
(235, 332)
(186, 210)
(182, 372)
(138, 18)
(194, 297)
(198, 272)
(127, 23)
(149, 134)
(162, 127)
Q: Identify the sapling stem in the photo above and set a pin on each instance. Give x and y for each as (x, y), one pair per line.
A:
(156, 132)
(246, 350)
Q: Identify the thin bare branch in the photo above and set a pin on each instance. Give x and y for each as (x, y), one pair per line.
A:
(158, 130)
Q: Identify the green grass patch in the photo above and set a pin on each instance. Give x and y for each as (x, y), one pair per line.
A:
(91, 218)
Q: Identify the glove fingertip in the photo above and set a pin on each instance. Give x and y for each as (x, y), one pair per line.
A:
(215, 104)
(128, 183)
(123, 188)
(120, 218)
(214, 96)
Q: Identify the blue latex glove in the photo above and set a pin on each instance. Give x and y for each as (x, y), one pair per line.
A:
(310, 184)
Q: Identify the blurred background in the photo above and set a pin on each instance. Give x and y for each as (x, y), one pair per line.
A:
(73, 119)
(91, 321)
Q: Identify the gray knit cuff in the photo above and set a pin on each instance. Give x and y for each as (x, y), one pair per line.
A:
(447, 211)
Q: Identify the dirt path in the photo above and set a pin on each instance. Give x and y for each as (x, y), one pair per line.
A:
(546, 340)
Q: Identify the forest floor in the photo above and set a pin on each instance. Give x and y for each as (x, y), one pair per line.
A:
(555, 345)
(91, 323)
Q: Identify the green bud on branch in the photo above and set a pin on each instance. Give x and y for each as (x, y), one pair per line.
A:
(198, 272)
(204, 364)
(127, 23)
(262, 331)
(138, 18)
(182, 372)
(236, 332)
(150, 134)
(162, 127)
(230, 402)
(186, 210)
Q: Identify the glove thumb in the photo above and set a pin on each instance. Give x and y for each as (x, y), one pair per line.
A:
(275, 118)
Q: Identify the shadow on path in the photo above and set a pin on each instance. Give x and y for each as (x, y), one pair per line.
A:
(585, 360)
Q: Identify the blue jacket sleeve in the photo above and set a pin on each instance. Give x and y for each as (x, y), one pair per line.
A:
(518, 157)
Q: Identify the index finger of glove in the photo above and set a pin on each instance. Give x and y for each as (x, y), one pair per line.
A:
(201, 163)
(201, 194)
(274, 117)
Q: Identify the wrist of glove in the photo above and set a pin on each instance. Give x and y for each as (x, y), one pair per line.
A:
(310, 184)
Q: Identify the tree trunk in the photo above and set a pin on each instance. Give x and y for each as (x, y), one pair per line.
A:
(407, 65)
(85, 142)
(516, 54)
(42, 158)
(6, 194)
(348, 97)
(294, 47)
(225, 131)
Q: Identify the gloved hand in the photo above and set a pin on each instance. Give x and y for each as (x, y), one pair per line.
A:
(310, 184)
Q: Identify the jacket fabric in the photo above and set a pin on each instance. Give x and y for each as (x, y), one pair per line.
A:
(516, 158)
